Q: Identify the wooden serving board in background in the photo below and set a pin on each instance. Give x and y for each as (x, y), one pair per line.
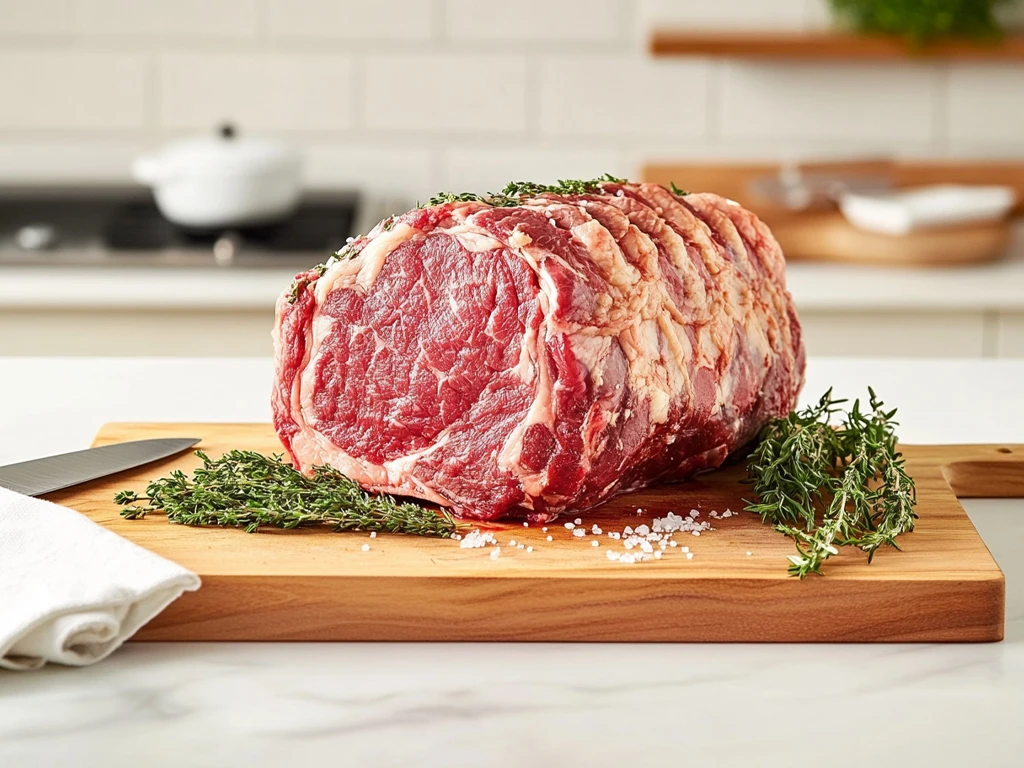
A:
(317, 585)
(826, 236)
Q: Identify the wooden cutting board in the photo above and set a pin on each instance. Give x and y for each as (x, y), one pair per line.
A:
(317, 585)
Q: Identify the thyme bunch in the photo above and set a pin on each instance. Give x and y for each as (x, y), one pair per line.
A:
(245, 489)
(515, 192)
(827, 487)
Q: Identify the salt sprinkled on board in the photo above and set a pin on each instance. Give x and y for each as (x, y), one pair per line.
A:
(373, 534)
(577, 521)
(495, 553)
(579, 533)
(570, 526)
(475, 539)
(549, 538)
(365, 547)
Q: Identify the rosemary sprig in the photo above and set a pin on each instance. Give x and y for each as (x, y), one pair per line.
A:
(827, 487)
(245, 489)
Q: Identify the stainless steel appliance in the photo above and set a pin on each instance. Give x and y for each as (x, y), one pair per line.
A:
(122, 227)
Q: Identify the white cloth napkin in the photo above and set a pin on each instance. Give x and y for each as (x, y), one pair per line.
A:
(71, 591)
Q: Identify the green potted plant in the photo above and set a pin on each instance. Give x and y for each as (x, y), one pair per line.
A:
(924, 21)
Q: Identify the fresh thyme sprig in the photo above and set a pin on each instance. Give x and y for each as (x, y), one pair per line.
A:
(827, 487)
(245, 489)
(516, 191)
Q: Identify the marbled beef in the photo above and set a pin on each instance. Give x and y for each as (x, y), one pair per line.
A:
(531, 359)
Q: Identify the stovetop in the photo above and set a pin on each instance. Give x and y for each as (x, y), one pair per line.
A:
(123, 227)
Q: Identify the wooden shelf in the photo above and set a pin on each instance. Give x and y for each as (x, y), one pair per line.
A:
(838, 46)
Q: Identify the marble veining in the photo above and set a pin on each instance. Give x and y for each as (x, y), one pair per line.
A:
(497, 705)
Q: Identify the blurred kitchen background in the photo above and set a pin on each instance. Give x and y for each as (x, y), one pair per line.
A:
(775, 103)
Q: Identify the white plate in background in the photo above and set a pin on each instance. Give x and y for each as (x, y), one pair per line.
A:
(941, 205)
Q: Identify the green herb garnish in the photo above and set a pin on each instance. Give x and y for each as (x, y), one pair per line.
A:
(827, 487)
(516, 191)
(245, 489)
(676, 190)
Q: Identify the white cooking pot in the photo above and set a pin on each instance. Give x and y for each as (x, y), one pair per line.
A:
(223, 181)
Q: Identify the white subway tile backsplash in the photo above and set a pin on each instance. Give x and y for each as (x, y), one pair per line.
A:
(721, 14)
(411, 96)
(66, 91)
(36, 17)
(625, 96)
(488, 169)
(397, 170)
(177, 18)
(832, 101)
(563, 20)
(264, 92)
(349, 19)
(985, 103)
(65, 161)
(460, 94)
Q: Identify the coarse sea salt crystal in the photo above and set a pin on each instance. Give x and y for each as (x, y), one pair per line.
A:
(373, 534)
(544, 529)
(612, 555)
(614, 535)
(526, 524)
(570, 526)
(595, 543)
(657, 555)
(522, 546)
(642, 530)
(549, 538)
(475, 539)
(646, 547)
(689, 555)
(365, 547)
(628, 530)
(577, 521)
(512, 543)
(529, 549)
(672, 544)
(495, 553)
(749, 554)
(579, 533)
(596, 530)
(627, 559)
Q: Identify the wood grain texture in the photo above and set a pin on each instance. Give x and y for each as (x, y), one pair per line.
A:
(313, 585)
(828, 237)
(826, 46)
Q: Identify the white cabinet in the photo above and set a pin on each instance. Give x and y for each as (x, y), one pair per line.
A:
(1010, 335)
(192, 333)
(867, 333)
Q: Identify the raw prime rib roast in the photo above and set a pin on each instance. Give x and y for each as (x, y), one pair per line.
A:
(539, 351)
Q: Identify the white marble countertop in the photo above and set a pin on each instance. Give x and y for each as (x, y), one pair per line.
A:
(511, 704)
(992, 287)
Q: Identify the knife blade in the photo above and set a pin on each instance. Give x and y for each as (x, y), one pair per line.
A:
(39, 476)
